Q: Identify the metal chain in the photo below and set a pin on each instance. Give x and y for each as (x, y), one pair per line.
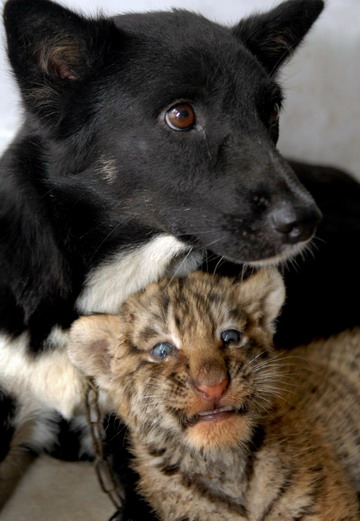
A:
(103, 468)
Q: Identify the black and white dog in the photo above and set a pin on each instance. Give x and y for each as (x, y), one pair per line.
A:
(147, 148)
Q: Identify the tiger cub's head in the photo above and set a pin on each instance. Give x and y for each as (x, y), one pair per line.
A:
(187, 360)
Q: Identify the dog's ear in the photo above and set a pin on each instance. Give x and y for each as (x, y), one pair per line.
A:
(93, 343)
(52, 50)
(263, 295)
(273, 36)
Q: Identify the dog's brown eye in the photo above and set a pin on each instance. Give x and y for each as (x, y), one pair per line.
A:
(180, 117)
(274, 116)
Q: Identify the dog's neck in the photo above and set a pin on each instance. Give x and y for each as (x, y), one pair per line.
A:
(109, 284)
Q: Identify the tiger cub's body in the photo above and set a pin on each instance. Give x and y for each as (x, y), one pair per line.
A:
(222, 427)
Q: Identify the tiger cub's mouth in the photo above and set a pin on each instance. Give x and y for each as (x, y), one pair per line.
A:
(219, 414)
(218, 426)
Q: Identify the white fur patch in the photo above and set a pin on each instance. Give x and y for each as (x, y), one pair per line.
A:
(110, 284)
(45, 381)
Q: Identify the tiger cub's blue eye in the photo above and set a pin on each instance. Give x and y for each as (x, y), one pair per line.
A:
(162, 350)
(230, 336)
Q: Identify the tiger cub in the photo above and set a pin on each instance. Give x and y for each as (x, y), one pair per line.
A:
(222, 427)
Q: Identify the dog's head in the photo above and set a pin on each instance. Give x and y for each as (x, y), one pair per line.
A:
(166, 122)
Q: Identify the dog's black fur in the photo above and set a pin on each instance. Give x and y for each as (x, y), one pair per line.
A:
(96, 174)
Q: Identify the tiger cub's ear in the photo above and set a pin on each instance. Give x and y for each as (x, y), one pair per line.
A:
(93, 342)
(263, 295)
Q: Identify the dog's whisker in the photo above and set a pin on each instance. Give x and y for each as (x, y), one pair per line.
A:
(178, 268)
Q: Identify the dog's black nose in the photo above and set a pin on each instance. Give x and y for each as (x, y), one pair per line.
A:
(294, 224)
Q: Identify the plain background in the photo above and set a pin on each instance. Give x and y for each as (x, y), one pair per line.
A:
(321, 120)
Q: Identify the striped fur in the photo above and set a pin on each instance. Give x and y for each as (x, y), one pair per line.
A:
(286, 451)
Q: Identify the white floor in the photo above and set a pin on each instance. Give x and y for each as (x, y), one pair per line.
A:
(58, 491)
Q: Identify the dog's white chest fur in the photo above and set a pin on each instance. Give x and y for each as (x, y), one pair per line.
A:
(110, 284)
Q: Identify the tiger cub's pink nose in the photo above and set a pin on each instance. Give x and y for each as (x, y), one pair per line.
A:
(212, 392)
